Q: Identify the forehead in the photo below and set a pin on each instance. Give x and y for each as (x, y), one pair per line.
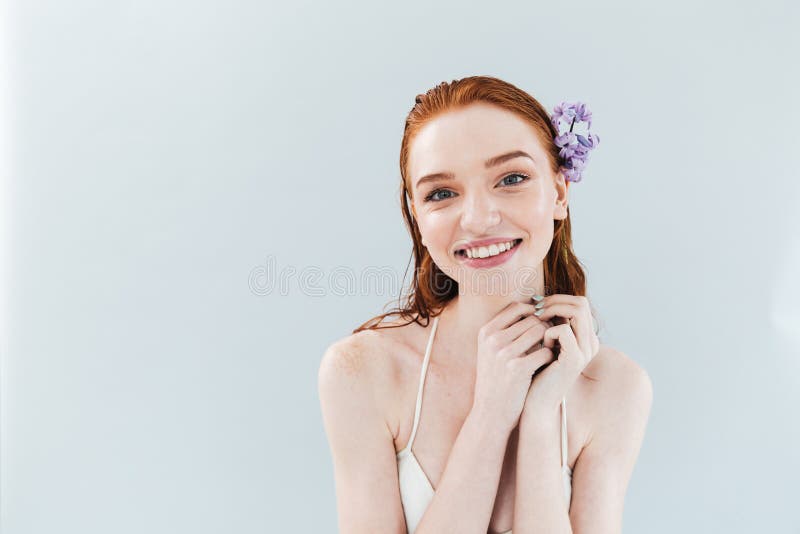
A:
(463, 139)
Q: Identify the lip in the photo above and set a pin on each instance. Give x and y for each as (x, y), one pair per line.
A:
(491, 261)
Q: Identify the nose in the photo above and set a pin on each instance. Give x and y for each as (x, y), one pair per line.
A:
(479, 214)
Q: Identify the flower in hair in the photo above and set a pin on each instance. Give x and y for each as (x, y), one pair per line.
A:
(574, 147)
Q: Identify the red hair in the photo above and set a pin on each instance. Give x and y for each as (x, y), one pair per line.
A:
(431, 288)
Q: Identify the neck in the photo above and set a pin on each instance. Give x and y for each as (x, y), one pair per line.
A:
(469, 311)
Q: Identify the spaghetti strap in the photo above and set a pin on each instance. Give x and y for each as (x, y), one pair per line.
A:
(564, 431)
(423, 373)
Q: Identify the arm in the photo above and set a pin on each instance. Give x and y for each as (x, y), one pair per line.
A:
(604, 466)
(539, 504)
(362, 446)
(365, 461)
(464, 498)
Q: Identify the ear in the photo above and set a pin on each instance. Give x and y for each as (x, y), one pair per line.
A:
(562, 196)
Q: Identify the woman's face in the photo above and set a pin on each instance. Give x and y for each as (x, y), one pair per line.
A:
(474, 194)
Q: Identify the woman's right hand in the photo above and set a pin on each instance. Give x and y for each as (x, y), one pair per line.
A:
(506, 363)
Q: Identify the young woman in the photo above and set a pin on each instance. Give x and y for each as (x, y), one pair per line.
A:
(498, 335)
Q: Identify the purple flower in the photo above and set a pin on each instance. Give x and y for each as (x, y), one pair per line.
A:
(575, 147)
(575, 163)
(571, 113)
(558, 113)
(583, 114)
(568, 143)
(566, 139)
(589, 141)
(572, 176)
(574, 170)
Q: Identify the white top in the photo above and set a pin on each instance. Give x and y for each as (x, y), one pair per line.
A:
(416, 490)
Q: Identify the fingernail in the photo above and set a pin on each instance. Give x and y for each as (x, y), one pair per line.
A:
(538, 313)
(539, 306)
(537, 298)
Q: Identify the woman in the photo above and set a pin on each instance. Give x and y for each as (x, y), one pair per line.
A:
(498, 298)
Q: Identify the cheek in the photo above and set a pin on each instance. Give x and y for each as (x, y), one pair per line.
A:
(540, 224)
(435, 225)
(537, 216)
(433, 232)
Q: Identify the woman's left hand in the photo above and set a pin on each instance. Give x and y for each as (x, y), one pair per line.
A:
(578, 344)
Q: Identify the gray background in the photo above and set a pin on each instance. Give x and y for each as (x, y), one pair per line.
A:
(165, 162)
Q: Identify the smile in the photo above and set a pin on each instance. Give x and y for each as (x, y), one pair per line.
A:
(489, 256)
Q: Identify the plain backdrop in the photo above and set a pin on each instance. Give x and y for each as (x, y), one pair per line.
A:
(193, 191)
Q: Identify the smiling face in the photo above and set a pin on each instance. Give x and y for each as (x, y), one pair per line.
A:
(480, 173)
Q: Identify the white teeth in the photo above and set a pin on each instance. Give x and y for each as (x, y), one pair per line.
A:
(491, 250)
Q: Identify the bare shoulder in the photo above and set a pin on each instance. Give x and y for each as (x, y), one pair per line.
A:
(347, 357)
(350, 379)
(364, 363)
(355, 360)
(623, 388)
(615, 368)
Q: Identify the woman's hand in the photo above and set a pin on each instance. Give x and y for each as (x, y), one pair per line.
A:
(577, 345)
(505, 362)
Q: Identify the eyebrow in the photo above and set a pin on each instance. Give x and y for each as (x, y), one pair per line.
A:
(489, 163)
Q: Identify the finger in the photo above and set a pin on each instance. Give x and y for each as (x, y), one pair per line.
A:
(508, 316)
(526, 340)
(531, 363)
(548, 311)
(570, 355)
(580, 302)
(577, 319)
(561, 298)
(517, 329)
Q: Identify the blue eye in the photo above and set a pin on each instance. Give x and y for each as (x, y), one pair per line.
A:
(516, 174)
(435, 192)
(431, 196)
